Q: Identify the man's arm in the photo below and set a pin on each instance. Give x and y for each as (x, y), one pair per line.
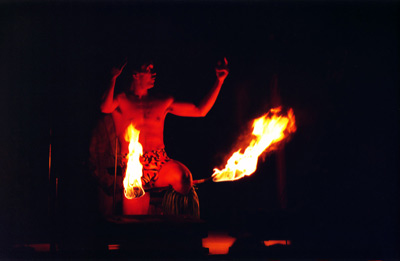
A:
(191, 110)
(109, 103)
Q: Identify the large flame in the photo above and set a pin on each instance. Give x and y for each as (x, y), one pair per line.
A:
(268, 130)
(132, 181)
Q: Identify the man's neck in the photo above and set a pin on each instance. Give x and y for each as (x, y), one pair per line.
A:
(140, 93)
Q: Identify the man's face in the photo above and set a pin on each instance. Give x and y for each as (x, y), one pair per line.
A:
(145, 78)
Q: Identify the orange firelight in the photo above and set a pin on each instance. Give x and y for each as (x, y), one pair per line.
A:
(268, 130)
(132, 181)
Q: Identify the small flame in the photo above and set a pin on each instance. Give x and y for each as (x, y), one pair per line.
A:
(132, 181)
(268, 130)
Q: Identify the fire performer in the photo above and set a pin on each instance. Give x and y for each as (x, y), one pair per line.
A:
(147, 112)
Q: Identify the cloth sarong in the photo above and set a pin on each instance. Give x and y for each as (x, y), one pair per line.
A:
(152, 162)
(177, 204)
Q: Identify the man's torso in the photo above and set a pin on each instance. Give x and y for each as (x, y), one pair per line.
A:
(147, 115)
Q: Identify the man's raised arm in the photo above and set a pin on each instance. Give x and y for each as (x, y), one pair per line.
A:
(109, 103)
(191, 110)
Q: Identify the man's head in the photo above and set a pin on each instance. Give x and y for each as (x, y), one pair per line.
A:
(143, 77)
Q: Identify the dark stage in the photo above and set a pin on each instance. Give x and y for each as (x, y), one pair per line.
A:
(335, 63)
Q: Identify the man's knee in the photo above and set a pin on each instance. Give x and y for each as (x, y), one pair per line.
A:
(179, 176)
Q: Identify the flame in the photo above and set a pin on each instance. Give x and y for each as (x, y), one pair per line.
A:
(132, 181)
(268, 130)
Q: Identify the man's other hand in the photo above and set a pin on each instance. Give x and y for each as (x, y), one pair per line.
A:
(222, 69)
(117, 70)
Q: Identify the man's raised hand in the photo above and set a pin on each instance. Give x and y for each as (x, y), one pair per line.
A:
(222, 69)
(117, 70)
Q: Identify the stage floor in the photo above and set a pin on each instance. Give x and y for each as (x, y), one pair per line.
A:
(161, 237)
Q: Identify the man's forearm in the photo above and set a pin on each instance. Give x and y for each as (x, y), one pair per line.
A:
(208, 102)
(108, 97)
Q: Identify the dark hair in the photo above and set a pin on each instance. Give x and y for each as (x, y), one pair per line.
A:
(135, 62)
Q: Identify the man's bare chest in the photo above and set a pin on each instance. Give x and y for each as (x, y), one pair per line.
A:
(143, 109)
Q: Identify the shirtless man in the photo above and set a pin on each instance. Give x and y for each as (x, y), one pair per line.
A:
(147, 113)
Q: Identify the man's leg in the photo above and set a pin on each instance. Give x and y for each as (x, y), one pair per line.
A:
(182, 199)
(175, 174)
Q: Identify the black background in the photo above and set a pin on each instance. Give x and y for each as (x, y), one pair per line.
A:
(337, 67)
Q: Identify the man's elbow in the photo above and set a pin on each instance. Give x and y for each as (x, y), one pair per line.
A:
(202, 113)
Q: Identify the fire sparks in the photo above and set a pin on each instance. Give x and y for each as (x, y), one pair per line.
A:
(132, 181)
(268, 130)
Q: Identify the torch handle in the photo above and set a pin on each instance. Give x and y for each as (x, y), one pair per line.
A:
(201, 181)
